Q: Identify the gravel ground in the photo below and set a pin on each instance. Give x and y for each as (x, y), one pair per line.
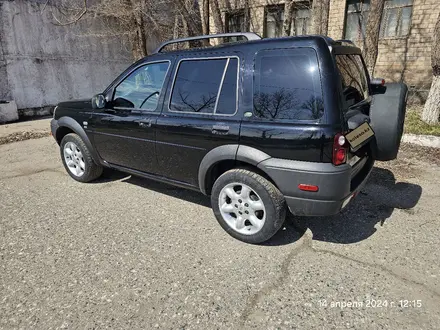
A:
(129, 253)
(24, 130)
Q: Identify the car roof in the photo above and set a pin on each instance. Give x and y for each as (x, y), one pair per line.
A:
(245, 46)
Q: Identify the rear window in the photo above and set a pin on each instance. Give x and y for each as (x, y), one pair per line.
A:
(206, 86)
(353, 77)
(287, 85)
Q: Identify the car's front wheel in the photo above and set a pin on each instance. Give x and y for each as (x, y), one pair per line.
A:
(248, 206)
(77, 159)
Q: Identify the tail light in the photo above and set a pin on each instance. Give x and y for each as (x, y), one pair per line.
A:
(339, 149)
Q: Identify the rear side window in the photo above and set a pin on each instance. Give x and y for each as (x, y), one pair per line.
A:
(353, 77)
(206, 86)
(227, 102)
(287, 85)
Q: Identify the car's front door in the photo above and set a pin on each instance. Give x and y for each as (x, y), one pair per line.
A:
(200, 113)
(124, 132)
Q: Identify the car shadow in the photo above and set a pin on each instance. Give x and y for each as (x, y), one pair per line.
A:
(374, 204)
(162, 188)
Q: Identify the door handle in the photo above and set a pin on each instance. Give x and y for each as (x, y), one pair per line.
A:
(145, 123)
(108, 110)
(220, 128)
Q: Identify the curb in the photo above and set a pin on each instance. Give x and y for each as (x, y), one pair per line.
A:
(422, 140)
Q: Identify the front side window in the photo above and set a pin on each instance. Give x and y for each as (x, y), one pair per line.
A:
(357, 16)
(142, 88)
(396, 18)
(274, 20)
(206, 86)
(287, 85)
(354, 78)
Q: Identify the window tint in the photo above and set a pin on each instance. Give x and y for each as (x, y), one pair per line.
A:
(227, 101)
(142, 88)
(354, 79)
(197, 86)
(287, 85)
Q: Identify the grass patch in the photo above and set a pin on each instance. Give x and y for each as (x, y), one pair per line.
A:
(415, 125)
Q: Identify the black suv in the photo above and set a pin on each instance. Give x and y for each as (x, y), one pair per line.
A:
(260, 125)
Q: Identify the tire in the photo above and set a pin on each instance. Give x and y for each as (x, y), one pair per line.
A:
(84, 161)
(268, 221)
(387, 115)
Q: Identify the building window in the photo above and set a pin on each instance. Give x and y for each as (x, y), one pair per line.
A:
(357, 16)
(273, 23)
(396, 18)
(301, 20)
(236, 21)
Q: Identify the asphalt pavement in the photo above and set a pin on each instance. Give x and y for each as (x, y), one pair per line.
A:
(130, 253)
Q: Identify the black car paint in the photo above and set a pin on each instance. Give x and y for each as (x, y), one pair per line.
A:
(171, 146)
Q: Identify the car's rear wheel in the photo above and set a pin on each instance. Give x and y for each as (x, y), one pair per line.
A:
(248, 206)
(77, 159)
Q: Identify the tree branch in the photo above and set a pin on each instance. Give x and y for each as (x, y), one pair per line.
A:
(76, 19)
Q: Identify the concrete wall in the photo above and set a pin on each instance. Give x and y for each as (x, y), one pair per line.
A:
(42, 63)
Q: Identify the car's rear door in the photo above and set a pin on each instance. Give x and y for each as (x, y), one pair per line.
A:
(200, 113)
(355, 91)
(124, 132)
(355, 97)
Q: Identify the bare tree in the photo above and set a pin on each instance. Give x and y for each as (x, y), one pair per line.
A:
(205, 17)
(191, 15)
(297, 24)
(431, 111)
(371, 41)
(217, 15)
(288, 16)
(142, 22)
(320, 12)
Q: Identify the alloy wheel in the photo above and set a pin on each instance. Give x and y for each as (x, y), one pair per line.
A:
(242, 208)
(74, 159)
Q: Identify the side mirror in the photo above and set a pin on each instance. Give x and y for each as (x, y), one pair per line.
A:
(98, 101)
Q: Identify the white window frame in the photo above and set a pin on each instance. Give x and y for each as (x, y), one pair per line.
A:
(386, 11)
(219, 89)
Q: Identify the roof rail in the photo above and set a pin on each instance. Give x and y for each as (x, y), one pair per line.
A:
(247, 35)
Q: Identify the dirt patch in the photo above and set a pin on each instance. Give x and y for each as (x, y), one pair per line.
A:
(409, 160)
(21, 136)
(411, 152)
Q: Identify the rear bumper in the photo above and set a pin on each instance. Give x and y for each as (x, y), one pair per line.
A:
(337, 184)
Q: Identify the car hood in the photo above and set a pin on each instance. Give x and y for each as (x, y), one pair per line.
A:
(76, 104)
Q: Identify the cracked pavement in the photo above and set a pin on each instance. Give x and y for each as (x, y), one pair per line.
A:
(127, 253)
